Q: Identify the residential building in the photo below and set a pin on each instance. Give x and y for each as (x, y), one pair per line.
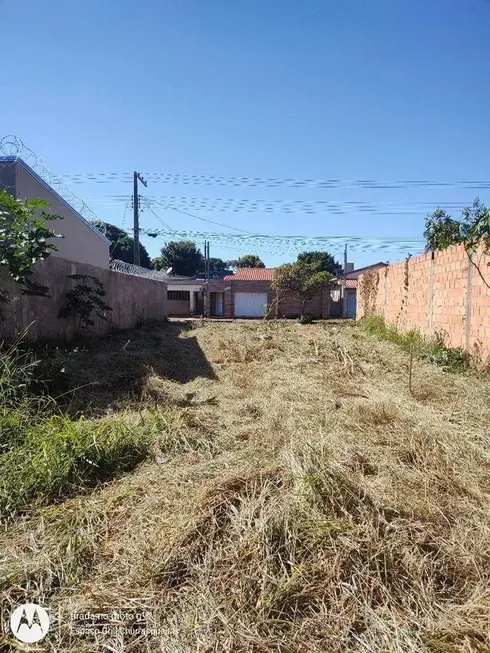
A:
(350, 291)
(81, 242)
(248, 293)
(185, 296)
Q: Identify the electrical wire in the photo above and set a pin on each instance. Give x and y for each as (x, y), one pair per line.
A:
(184, 205)
(220, 224)
(149, 206)
(286, 244)
(273, 182)
(113, 247)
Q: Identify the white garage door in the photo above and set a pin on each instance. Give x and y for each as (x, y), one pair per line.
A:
(250, 304)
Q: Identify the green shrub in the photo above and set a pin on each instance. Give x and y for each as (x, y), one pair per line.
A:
(56, 457)
(433, 349)
(305, 319)
(44, 455)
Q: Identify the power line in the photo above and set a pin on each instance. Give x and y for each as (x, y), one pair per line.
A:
(182, 204)
(284, 244)
(113, 247)
(149, 206)
(220, 224)
(274, 182)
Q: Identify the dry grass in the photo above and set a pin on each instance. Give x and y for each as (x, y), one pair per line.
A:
(302, 500)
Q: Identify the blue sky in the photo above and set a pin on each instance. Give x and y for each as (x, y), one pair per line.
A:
(340, 89)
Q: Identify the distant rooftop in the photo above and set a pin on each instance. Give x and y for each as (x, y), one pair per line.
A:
(356, 273)
(251, 274)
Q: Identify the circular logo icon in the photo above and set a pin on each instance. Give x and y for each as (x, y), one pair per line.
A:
(29, 623)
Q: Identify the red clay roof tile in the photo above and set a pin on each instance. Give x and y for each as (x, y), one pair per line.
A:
(251, 274)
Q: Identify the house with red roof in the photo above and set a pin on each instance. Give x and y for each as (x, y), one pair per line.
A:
(248, 294)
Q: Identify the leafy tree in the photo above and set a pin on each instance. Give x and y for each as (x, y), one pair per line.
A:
(472, 231)
(324, 261)
(441, 231)
(218, 268)
(182, 256)
(122, 245)
(24, 240)
(303, 280)
(158, 263)
(247, 261)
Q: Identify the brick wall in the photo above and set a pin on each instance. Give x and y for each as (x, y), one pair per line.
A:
(445, 294)
(289, 306)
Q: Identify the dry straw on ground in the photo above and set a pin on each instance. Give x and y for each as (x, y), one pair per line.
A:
(299, 499)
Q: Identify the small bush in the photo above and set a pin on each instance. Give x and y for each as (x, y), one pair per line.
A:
(56, 457)
(44, 455)
(433, 349)
(305, 319)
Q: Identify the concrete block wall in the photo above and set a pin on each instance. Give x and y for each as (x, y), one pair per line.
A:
(133, 299)
(445, 294)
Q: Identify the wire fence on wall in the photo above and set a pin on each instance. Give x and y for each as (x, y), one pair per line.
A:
(136, 270)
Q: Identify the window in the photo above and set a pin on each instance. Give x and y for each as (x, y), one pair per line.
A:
(335, 294)
(178, 295)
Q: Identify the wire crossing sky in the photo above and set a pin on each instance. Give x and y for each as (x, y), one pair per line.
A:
(213, 180)
(312, 121)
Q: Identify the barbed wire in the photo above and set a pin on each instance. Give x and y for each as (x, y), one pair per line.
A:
(136, 270)
(12, 146)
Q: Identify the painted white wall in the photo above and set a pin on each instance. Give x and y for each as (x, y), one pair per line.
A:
(189, 287)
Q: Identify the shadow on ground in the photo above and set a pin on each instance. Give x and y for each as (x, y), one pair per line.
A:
(114, 371)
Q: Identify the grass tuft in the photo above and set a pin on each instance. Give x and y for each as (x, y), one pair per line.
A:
(58, 457)
(433, 349)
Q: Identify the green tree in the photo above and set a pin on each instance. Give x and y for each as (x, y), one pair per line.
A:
(122, 245)
(441, 231)
(247, 261)
(218, 268)
(24, 240)
(182, 256)
(324, 261)
(472, 231)
(303, 280)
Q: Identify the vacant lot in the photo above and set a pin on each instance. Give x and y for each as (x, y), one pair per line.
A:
(248, 487)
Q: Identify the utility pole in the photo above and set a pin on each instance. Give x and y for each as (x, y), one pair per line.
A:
(206, 275)
(136, 216)
(344, 290)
